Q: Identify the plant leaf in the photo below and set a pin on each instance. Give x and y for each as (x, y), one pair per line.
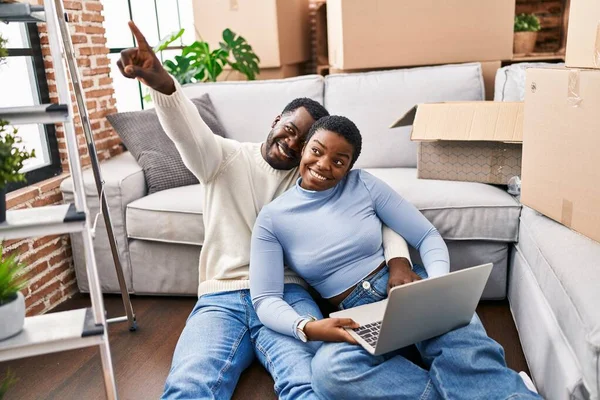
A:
(167, 40)
(246, 61)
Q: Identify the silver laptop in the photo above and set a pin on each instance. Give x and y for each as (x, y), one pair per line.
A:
(419, 310)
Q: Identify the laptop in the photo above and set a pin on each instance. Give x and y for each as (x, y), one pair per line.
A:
(418, 310)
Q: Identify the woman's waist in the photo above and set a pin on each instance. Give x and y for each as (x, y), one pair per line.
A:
(336, 300)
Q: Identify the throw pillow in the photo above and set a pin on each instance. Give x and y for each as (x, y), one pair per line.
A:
(144, 137)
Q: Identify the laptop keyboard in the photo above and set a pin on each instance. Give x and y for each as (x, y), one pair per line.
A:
(369, 332)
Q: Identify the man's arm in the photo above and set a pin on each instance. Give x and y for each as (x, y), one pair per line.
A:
(407, 220)
(200, 150)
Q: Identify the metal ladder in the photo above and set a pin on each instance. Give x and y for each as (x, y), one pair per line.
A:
(73, 329)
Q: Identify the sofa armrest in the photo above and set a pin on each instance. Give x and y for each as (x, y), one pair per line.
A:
(124, 182)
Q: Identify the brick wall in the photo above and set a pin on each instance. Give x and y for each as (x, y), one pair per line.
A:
(49, 259)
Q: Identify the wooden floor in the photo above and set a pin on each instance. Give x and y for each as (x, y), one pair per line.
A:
(141, 359)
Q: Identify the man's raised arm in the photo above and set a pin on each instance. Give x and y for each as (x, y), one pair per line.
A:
(200, 150)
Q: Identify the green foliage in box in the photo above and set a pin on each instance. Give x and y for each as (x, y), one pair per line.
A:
(12, 156)
(12, 279)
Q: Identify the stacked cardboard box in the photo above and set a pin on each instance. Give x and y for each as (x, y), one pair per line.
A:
(277, 30)
(377, 34)
(561, 149)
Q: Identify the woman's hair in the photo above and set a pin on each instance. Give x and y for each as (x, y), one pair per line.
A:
(343, 127)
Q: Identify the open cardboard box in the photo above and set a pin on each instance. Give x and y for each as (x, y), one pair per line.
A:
(583, 38)
(467, 141)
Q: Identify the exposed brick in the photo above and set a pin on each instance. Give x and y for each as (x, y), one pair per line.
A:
(72, 5)
(52, 183)
(103, 61)
(35, 310)
(88, 17)
(21, 196)
(17, 250)
(39, 242)
(40, 253)
(90, 6)
(47, 200)
(98, 39)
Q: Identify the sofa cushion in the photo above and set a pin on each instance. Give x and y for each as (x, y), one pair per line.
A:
(247, 109)
(459, 210)
(567, 268)
(553, 366)
(374, 100)
(509, 84)
(170, 216)
(153, 149)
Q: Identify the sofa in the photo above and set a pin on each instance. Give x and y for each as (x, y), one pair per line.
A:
(160, 235)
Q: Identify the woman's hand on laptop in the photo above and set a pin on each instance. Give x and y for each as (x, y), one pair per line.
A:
(142, 64)
(401, 273)
(331, 330)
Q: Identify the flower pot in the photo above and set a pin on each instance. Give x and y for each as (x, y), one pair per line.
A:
(524, 42)
(2, 205)
(12, 315)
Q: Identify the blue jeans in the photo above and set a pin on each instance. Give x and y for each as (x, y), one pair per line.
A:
(221, 338)
(462, 364)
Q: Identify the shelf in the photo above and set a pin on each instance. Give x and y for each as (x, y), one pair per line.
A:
(21, 12)
(40, 114)
(538, 57)
(42, 221)
(50, 333)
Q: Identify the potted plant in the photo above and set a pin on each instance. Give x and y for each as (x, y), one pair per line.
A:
(198, 63)
(526, 31)
(3, 50)
(12, 156)
(12, 302)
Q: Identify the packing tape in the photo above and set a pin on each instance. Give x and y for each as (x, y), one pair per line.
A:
(234, 5)
(566, 216)
(573, 91)
(597, 47)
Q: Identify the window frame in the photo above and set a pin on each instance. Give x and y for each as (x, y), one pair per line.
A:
(41, 84)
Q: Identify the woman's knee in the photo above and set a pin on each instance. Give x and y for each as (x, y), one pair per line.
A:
(333, 369)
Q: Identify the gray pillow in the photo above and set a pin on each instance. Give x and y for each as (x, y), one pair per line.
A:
(144, 137)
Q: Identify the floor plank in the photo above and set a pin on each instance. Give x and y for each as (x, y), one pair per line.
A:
(141, 359)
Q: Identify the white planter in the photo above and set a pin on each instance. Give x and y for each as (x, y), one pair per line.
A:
(12, 316)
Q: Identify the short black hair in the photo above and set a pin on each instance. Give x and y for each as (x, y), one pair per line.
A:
(316, 110)
(343, 127)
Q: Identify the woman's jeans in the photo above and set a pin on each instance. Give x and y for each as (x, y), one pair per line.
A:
(462, 364)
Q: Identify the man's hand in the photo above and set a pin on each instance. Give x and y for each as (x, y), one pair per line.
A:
(400, 273)
(330, 330)
(142, 64)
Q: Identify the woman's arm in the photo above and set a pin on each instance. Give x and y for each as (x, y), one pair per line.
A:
(407, 220)
(267, 279)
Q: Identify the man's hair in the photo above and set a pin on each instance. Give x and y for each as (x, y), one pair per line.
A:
(316, 110)
(343, 127)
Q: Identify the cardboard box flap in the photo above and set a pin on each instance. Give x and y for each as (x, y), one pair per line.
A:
(466, 121)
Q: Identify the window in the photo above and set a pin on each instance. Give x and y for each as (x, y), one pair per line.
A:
(156, 19)
(24, 77)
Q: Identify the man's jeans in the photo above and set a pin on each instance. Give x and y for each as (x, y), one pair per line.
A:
(463, 364)
(220, 339)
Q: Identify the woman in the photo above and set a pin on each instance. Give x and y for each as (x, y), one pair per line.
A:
(328, 230)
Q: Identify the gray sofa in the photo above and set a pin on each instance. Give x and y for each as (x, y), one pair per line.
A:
(160, 235)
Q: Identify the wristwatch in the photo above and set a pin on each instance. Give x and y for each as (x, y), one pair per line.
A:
(300, 328)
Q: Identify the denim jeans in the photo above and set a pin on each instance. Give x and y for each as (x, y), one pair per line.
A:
(462, 364)
(221, 338)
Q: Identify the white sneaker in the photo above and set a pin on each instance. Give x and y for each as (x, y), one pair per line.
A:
(527, 381)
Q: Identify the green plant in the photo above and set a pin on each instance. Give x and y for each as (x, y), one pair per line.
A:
(527, 23)
(3, 50)
(11, 156)
(12, 279)
(198, 63)
(7, 382)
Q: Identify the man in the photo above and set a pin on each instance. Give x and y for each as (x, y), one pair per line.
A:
(223, 333)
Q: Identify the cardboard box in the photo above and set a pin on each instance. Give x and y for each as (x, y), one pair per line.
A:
(321, 46)
(285, 71)
(583, 38)
(277, 30)
(395, 33)
(488, 70)
(561, 150)
(467, 141)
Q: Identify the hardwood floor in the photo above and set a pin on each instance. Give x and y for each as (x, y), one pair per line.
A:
(141, 359)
